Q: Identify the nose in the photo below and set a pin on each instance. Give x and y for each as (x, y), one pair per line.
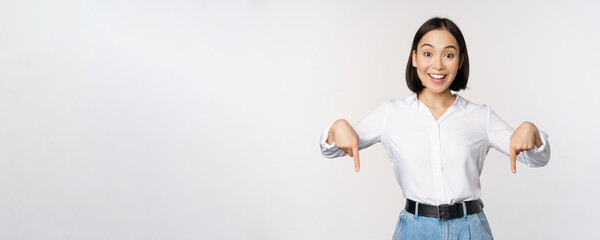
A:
(439, 64)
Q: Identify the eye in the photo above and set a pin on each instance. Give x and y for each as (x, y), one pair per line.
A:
(449, 55)
(428, 54)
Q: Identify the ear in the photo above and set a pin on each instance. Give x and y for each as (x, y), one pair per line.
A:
(414, 58)
(462, 58)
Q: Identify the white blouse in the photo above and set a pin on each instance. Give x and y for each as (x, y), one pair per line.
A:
(438, 161)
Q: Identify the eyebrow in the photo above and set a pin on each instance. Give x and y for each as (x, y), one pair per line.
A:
(449, 46)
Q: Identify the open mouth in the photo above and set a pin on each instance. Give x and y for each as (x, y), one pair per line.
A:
(437, 77)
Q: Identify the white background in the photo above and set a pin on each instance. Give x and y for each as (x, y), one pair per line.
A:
(201, 119)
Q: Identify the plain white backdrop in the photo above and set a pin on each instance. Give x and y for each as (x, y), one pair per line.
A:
(201, 119)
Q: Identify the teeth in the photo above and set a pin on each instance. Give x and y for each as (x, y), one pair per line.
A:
(436, 76)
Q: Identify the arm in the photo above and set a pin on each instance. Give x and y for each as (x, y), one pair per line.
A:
(526, 139)
(342, 139)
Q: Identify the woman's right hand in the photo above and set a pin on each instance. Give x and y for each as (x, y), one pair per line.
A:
(345, 138)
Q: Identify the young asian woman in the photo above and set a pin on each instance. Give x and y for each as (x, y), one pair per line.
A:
(437, 140)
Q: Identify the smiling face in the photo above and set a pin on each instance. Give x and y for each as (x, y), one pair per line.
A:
(437, 60)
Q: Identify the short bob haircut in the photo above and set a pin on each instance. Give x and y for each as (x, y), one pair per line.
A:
(462, 76)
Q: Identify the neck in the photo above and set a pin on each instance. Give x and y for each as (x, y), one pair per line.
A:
(435, 100)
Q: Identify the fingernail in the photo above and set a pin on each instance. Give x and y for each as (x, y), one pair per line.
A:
(514, 171)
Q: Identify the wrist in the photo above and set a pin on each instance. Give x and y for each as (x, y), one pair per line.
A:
(330, 136)
(538, 139)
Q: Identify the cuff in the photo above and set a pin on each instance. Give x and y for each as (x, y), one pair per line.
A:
(544, 136)
(324, 137)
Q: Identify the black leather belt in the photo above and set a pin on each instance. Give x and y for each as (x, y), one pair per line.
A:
(444, 212)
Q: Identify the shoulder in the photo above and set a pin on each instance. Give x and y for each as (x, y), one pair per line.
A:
(471, 106)
(403, 101)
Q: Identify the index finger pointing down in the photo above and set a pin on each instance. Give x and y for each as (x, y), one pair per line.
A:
(356, 159)
(513, 159)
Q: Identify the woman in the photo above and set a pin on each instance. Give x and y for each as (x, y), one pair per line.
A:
(437, 141)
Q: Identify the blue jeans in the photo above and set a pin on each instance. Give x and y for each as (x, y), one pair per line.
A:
(474, 226)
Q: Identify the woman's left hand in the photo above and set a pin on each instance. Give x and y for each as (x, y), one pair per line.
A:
(523, 139)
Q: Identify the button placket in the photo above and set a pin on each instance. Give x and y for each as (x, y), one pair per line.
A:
(436, 162)
(435, 145)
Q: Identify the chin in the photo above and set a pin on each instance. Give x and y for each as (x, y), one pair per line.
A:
(437, 92)
(437, 89)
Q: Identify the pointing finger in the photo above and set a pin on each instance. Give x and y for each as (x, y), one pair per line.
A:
(356, 159)
(513, 159)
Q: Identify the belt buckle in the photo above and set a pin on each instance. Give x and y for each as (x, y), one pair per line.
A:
(439, 212)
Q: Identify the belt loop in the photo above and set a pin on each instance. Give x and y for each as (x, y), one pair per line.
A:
(416, 209)
(464, 209)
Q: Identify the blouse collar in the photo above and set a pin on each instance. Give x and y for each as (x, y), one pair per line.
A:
(411, 100)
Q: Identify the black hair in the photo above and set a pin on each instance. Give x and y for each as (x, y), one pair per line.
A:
(462, 76)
